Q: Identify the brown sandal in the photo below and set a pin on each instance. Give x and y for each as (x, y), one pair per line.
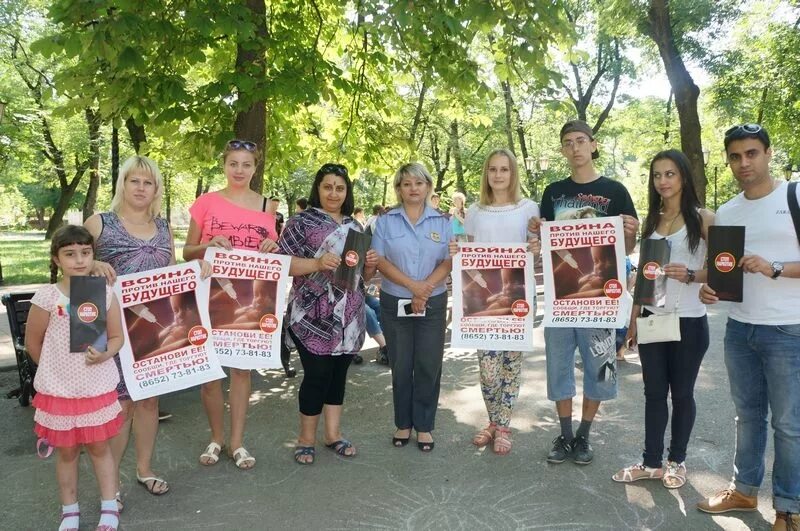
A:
(485, 436)
(502, 441)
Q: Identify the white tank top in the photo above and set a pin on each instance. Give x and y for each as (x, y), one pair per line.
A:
(689, 304)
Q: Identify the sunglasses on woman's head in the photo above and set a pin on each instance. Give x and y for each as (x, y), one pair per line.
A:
(243, 144)
(336, 169)
(751, 129)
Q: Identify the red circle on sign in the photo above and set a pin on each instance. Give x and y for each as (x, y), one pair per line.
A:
(724, 262)
(268, 323)
(650, 271)
(351, 258)
(520, 308)
(198, 335)
(87, 312)
(613, 289)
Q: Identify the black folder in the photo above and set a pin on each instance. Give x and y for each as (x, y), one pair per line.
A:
(87, 314)
(725, 251)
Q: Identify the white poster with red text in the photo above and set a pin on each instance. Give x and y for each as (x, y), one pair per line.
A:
(247, 302)
(167, 329)
(494, 296)
(584, 273)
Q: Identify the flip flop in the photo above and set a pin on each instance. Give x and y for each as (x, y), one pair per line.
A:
(243, 459)
(211, 454)
(341, 446)
(151, 488)
(300, 451)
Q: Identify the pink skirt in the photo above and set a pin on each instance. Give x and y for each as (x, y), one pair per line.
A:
(66, 422)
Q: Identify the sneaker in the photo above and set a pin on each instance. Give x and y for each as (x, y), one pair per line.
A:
(358, 360)
(164, 415)
(383, 356)
(636, 472)
(561, 450)
(786, 522)
(582, 453)
(726, 500)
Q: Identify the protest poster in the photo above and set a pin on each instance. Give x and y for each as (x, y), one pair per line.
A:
(584, 273)
(651, 282)
(247, 302)
(494, 296)
(166, 327)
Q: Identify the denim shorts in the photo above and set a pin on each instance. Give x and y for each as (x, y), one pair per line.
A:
(598, 352)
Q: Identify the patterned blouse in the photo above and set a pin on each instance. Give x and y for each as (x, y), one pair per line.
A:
(327, 319)
(128, 254)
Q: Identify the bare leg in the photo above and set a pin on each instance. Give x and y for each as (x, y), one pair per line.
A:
(104, 468)
(590, 408)
(333, 428)
(239, 397)
(211, 395)
(308, 434)
(145, 429)
(119, 442)
(380, 340)
(67, 474)
(564, 407)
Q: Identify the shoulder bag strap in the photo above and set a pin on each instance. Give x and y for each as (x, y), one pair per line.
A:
(794, 209)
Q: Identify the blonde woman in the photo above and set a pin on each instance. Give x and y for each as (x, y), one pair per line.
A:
(411, 241)
(458, 214)
(501, 215)
(131, 238)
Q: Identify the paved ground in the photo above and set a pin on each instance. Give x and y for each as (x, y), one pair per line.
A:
(454, 487)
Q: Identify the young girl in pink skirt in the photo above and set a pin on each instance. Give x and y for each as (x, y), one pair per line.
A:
(76, 401)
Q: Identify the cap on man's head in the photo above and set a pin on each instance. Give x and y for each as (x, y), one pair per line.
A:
(578, 126)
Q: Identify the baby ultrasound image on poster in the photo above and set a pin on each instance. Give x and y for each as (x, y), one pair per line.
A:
(161, 325)
(491, 292)
(239, 303)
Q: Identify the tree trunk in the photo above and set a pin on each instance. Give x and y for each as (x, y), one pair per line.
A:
(93, 122)
(114, 159)
(459, 168)
(523, 149)
(198, 190)
(251, 123)
(418, 114)
(509, 101)
(137, 134)
(685, 90)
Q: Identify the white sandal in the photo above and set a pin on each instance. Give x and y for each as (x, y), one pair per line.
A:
(675, 476)
(243, 459)
(637, 472)
(211, 454)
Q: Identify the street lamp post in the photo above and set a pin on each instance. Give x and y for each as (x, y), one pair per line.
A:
(535, 169)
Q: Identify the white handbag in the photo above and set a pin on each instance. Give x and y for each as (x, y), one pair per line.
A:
(657, 328)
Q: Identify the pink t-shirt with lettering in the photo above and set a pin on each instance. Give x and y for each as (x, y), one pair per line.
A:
(244, 228)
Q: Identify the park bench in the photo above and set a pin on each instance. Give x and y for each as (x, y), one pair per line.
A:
(18, 305)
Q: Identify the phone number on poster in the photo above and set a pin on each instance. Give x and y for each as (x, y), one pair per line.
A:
(249, 352)
(174, 375)
(583, 319)
(493, 337)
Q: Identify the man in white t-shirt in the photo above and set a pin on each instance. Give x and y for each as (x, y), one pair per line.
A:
(762, 337)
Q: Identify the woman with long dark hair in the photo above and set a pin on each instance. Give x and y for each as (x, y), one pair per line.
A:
(674, 213)
(325, 319)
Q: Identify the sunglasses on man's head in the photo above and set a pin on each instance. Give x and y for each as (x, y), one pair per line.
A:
(243, 144)
(750, 129)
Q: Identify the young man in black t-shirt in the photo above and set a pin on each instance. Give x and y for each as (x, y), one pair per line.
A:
(585, 194)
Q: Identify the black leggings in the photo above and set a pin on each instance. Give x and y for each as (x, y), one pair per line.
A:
(671, 367)
(324, 378)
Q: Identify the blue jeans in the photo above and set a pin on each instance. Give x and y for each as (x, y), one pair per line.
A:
(764, 370)
(372, 307)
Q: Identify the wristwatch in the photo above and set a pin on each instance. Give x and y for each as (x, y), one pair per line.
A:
(777, 269)
(691, 274)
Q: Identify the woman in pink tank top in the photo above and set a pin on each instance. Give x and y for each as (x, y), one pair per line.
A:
(232, 218)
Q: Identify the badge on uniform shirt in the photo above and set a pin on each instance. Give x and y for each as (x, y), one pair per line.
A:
(435, 237)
